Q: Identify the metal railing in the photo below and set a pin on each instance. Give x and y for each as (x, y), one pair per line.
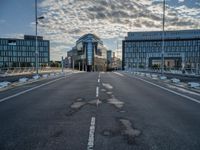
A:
(26, 70)
(186, 71)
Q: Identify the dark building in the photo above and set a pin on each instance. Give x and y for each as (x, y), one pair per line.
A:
(109, 59)
(89, 54)
(181, 50)
(21, 52)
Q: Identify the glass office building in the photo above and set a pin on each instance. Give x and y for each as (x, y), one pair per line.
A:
(181, 50)
(89, 54)
(21, 52)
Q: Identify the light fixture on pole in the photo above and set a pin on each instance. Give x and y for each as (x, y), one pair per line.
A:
(163, 40)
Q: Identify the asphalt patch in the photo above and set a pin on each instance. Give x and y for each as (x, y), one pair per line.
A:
(128, 131)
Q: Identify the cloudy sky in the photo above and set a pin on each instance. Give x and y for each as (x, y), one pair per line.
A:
(66, 20)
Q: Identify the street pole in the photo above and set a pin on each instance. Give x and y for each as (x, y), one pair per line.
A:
(163, 40)
(62, 65)
(36, 44)
(73, 64)
(137, 60)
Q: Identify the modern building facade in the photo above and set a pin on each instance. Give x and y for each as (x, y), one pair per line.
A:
(89, 54)
(144, 50)
(21, 52)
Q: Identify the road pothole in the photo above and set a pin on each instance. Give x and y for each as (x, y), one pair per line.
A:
(77, 105)
(114, 101)
(125, 129)
(107, 86)
(122, 111)
(80, 103)
(79, 99)
(109, 93)
(128, 131)
(103, 90)
(110, 133)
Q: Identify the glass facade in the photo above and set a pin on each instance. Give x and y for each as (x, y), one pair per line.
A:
(179, 52)
(89, 54)
(21, 52)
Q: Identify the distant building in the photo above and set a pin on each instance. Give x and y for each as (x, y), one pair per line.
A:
(89, 54)
(109, 59)
(181, 51)
(21, 52)
(118, 54)
(116, 62)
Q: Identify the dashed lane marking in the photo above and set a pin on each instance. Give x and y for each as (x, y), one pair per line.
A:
(90, 145)
(97, 91)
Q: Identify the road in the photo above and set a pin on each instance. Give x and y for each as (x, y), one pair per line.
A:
(98, 111)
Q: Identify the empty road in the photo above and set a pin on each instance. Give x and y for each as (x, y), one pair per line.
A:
(98, 111)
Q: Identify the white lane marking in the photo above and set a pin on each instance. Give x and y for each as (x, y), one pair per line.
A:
(90, 145)
(98, 80)
(183, 90)
(97, 91)
(97, 103)
(166, 89)
(28, 90)
(119, 74)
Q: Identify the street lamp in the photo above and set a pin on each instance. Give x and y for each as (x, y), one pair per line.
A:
(163, 39)
(36, 38)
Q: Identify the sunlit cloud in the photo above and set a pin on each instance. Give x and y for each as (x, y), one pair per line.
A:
(66, 20)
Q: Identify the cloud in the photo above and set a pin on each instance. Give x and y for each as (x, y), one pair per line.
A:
(181, 1)
(66, 20)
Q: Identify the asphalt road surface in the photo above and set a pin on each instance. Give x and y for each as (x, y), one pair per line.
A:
(98, 111)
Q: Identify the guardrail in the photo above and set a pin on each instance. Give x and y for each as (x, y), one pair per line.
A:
(186, 71)
(176, 81)
(24, 80)
(26, 70)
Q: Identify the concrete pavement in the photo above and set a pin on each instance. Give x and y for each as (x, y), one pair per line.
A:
(98, 111)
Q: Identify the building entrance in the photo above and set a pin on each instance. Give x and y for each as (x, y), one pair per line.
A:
(170, 62)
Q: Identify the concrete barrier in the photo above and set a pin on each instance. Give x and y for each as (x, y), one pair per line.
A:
(193, 84)
(142, 74)
(174, 80)
(4, 84)
(36, 77)
(154, 76)
(45, 75)
(148, 75)
(23, 80)
(163, 78)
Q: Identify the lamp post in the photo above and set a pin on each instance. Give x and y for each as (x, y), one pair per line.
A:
(163, 40)
(36, 37)
(36, 44)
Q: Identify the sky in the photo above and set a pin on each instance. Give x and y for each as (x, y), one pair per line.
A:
(66, 20)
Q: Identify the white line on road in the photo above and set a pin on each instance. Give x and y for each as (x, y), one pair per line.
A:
(97, 91)
(119, 74)
(31, 89)
(166, 89)
(98, 80)
(90, 145)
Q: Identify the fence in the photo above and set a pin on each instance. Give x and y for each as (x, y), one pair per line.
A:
(26, 70)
